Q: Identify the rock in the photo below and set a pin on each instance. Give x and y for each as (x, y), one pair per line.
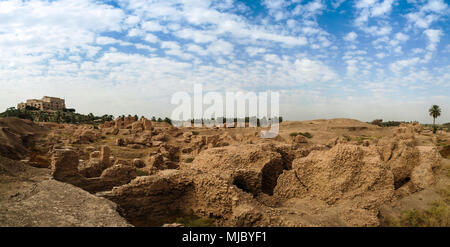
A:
(110, 131)
(128, 121)
(137, 126)
(89, 149)
(138, 163)
(422, 176)
(83, 136)
(300, 139)
(136, 146)
(94, 155)
(147, 124)
(120, 142)
(119, 174)
(64, 165)
(345, 172)
(91, 168)
(252, 168)
(156, 143)
(160, 137)
(43, 201)
(155, 162)
(173, 225)
(105, 154)
(39, 161)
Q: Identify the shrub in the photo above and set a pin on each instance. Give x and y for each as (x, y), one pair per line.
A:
(195, 133)
(306, 134)
(438, 215)
(378, 122)
(391, 123)
(189, 160)
(140, 172)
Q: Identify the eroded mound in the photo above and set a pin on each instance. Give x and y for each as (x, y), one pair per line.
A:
(29, 197)
(17, 136)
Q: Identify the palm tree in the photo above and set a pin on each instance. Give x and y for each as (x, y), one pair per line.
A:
(435, 111)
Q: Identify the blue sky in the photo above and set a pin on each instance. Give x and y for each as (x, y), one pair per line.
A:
(362, 59)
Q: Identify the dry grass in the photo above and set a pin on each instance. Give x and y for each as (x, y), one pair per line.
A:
(438, 215)
(193, 221)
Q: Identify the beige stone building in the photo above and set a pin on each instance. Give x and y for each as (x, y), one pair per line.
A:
(45, 104)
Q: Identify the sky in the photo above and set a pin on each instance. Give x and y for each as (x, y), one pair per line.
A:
(362, 59)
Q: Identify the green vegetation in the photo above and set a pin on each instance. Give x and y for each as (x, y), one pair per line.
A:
(195, 133)
(189, 160)
(305, 134)
(379, 122)
(64, 116)
(193, 221)
(140, 172)
(438, 215)
(435, 112)
(446, 126)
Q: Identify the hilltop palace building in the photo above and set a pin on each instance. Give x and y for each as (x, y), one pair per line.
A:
(44, 104)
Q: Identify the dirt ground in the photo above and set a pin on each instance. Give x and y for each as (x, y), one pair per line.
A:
(335, 172)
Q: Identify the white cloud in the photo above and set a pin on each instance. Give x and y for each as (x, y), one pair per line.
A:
(434, 36)
(221, 47)
(151, 26)
(382, 8)
(427, 14)
(437, 6)
(350, 36)
(253, 51)
(380, 55)
(399, 65)
(151, 38)
(197, 36)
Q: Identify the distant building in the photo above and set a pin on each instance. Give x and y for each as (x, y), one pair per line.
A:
(44, 104)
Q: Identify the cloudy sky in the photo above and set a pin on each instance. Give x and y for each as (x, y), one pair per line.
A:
(362, 59)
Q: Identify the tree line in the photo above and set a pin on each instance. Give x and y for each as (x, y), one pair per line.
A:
(63, 116)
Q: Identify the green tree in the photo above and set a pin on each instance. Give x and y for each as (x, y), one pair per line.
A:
(435, 111)
(167, 120)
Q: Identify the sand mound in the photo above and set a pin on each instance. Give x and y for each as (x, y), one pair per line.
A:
(17, 135)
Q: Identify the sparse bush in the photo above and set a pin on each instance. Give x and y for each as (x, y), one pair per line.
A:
(392, 123)
(140, 172)
(189, 160)
(378, 122)
(195, 133)
(305, 134)
(438, 215)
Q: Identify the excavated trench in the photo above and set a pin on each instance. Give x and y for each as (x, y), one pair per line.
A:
(445, 152)
(154, 210)
(168, 200)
